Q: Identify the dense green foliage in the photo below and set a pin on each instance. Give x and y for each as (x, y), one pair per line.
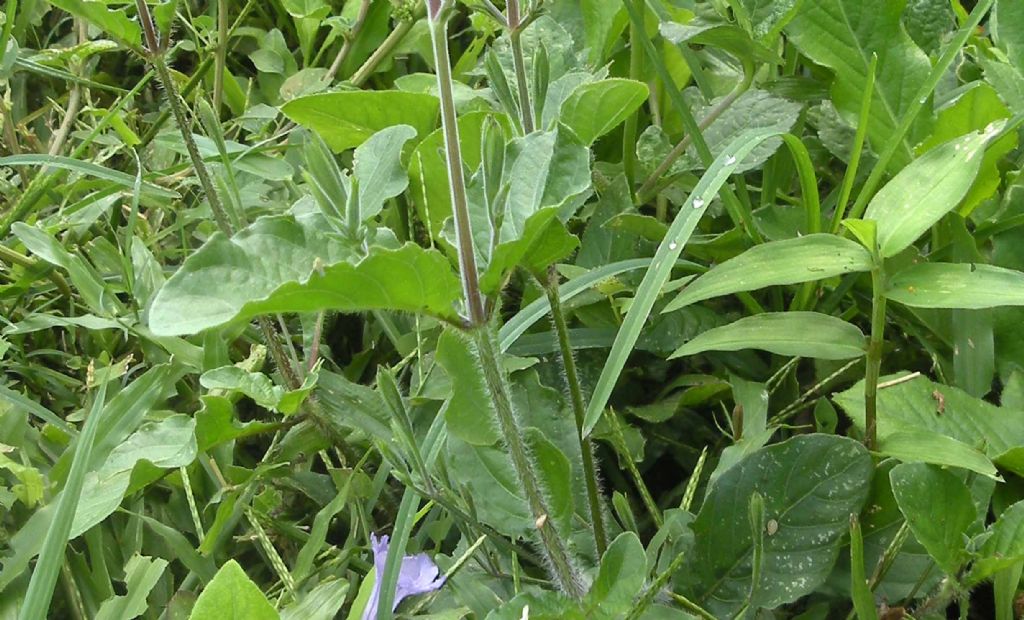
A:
(646, 309)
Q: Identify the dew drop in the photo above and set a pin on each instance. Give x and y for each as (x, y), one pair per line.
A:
(698, 203)
(673, 245)
(730, 160)
(923, 100)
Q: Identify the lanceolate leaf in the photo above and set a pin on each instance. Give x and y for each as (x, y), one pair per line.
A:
(347, 119)
(378, 168)
(955, 285)
(803, 334)
(811, 484)
(801, 259)
(843, 35)
(284, 264)
(596, 108)
(927, 189)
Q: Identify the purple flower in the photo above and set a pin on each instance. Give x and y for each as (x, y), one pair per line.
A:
(418, 575)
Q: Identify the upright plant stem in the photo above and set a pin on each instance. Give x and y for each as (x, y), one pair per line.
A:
(636, 59)
(874, 357)
(222, 54)
(515, 27)
(386, 47)
(554, 548)
(579, 409)
(457, 181)
(555, 551)
(346, 47)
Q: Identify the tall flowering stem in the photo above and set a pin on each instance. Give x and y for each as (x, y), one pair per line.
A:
(559, 559)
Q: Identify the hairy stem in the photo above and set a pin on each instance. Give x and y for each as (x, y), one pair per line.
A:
(556, 552)
(457, 181)
(579, 409)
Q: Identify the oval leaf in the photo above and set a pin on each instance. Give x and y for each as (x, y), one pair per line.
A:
(955, 285)
(938, 508)
(930, 187)
(595, 108)
(792, 261)
(347, 119)
(802, 334)
(923, 446)
(811, 484)
(281, 264)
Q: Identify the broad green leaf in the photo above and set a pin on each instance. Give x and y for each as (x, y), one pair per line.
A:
(938, 508)
(664, 260)
(378, 168)
(799, 334)
(957, 285)
(928, 22)
(114, 22)
(923, 446)
(973, 111)
(232, 596)
(545, 241)
(602, 24)
(165, 444)
(791, 261)
(768, 17)
(348, 118)
(754, 109)
(285, 264)
(811, 484)
(595, 108)
(141, 575)
(486, 474)
(258, 387)
(217, 423)
(920, 404)
(1004, 547)
(843, 35)
(469, 414)
(721, 35)
(927, 189)
(428, 172)
(620, 578)
(1007, 24)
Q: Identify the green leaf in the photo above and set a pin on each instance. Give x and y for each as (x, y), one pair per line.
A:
(973, 111)
(232, 596)
(665, 258)
(924, 191)
(719, 34)
(51, 555)
(799, 334)
(1005, 546)
(920, 404)
(377, 166)
(258, 387)
(114, 22)
(469, 414)
(620, 578)
(166, 444)
(922, 446)
(286, 264)
(320, 603)
(938, 508)
(955, 285)
(768, 17)
(141, 576)
(89, 169)
(545, 241)
(811, 484)
(346, 119)
(595, 108)
(754, 109)
(843, 35)
(791, 261)
(1007, 24)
